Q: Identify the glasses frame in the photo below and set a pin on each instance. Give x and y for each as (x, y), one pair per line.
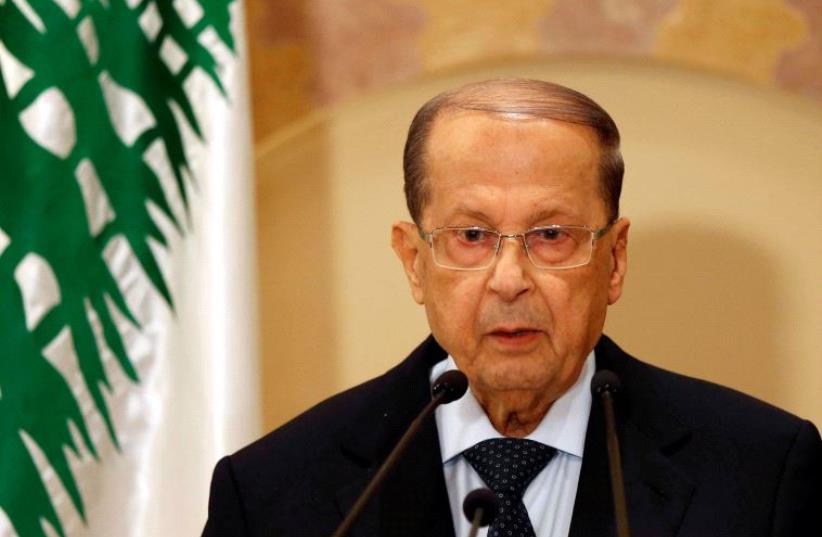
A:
(596, 234)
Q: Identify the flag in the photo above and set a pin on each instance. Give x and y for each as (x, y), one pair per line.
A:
(127, 315)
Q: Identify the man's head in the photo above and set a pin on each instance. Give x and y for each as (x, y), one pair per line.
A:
(510, 156)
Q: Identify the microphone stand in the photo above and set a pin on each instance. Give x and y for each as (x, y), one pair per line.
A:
(614, 462)
(605, 383)
(475, 524)
(449, 387)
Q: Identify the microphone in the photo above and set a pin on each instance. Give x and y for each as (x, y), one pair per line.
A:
(480, 507)
(605, 384)
(448, 387)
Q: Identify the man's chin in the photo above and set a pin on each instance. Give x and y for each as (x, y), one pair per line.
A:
(514, 378)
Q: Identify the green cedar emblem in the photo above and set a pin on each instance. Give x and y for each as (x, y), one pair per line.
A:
(43, 213)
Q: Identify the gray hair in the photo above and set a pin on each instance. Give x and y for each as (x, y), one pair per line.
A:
(523, 97)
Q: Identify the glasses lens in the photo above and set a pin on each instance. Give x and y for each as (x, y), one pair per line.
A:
(559, 246)
(464, 247)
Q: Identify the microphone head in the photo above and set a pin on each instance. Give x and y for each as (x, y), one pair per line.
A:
(450, 386)
(483, 499)
(605, 381)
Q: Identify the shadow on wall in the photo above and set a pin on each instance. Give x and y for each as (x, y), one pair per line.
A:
(701, 301)
(297, 323)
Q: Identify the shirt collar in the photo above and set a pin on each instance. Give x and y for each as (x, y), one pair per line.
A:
(463, 423)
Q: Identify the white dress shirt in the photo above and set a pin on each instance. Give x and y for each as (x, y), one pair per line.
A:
(550, 497)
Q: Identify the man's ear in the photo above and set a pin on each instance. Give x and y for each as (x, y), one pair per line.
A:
(619, 259)
(405, 241)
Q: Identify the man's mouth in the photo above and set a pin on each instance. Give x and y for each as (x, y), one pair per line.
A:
(514, 340)
(514, 333)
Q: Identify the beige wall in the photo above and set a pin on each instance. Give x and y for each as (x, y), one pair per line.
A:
(723, 184)
(311, 53)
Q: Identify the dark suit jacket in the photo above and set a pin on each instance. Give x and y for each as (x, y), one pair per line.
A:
(699, 461)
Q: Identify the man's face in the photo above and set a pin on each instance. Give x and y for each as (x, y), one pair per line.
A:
(513, 327)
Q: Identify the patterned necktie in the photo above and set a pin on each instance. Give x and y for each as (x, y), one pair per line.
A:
(508, 465)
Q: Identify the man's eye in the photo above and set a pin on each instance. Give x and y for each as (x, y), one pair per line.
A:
(548, 234)
(473, 235)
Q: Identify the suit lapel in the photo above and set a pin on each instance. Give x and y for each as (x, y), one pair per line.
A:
(413, 499)
(368, 521)
(593, 508)
(416, 500)
(658, 493)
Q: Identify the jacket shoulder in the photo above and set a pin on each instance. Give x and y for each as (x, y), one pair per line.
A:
(315, 437)
(700, 405)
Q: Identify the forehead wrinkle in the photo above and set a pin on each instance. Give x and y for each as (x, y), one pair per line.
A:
(534, 214)
(548, 216)
(464, 210)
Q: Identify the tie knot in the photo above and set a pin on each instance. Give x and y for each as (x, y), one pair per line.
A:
(508, 465)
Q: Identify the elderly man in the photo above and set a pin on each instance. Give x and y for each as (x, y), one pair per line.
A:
(516, 250)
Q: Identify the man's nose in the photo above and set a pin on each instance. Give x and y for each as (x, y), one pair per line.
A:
(510, 272)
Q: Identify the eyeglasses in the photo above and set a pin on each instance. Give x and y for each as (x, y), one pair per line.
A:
(548, 247)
